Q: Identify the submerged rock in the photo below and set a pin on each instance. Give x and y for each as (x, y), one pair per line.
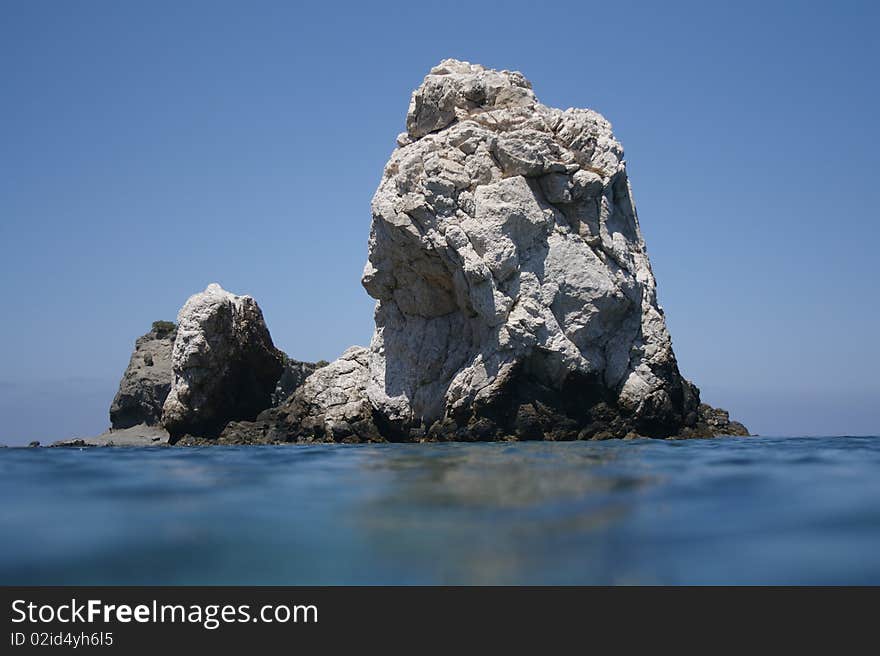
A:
(147, 379)
(224, 362)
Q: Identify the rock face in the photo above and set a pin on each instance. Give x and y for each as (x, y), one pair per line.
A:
(147, 380)
(713, 421)
(293, 375)
(330, 406)
(224, 362)
(515, 296)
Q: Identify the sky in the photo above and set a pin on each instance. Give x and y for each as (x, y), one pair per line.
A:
(150, 148)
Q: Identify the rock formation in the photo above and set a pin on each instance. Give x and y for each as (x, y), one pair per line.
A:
(136, 411)
(331, 405)
(515, 300)
(147, 380)
(224, 362)
(515, 296)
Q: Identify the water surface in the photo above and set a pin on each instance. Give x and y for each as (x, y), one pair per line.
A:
(734, 510)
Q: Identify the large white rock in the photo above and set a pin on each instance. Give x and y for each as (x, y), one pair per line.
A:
(332, 405)
(224, 362)
(513, 285)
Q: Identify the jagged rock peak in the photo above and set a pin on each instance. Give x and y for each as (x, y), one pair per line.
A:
(224, 362)
(455, 89)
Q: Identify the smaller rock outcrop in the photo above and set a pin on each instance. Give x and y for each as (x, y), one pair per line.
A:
(224, 363)
(139, 435)
(147, 379)
(710, 422)
(330, 406)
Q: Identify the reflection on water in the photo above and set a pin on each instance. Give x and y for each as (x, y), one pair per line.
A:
(756, 510)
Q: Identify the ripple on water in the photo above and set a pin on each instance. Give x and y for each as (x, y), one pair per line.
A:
(756, 510)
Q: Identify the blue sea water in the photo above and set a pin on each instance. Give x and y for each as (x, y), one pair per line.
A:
(727, 511)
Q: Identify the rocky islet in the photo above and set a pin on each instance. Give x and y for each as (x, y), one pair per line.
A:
(515, 300)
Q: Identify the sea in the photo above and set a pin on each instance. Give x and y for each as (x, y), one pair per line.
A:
(758, 510)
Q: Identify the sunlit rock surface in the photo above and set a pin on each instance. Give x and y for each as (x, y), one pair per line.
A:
(225, 364)
(515, 295)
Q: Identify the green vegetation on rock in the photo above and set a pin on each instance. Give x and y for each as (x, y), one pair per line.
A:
(163, 327)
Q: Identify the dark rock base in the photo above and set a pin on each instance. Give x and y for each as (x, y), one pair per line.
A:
(526, 410)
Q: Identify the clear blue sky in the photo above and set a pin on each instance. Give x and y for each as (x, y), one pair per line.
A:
(147, 149)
